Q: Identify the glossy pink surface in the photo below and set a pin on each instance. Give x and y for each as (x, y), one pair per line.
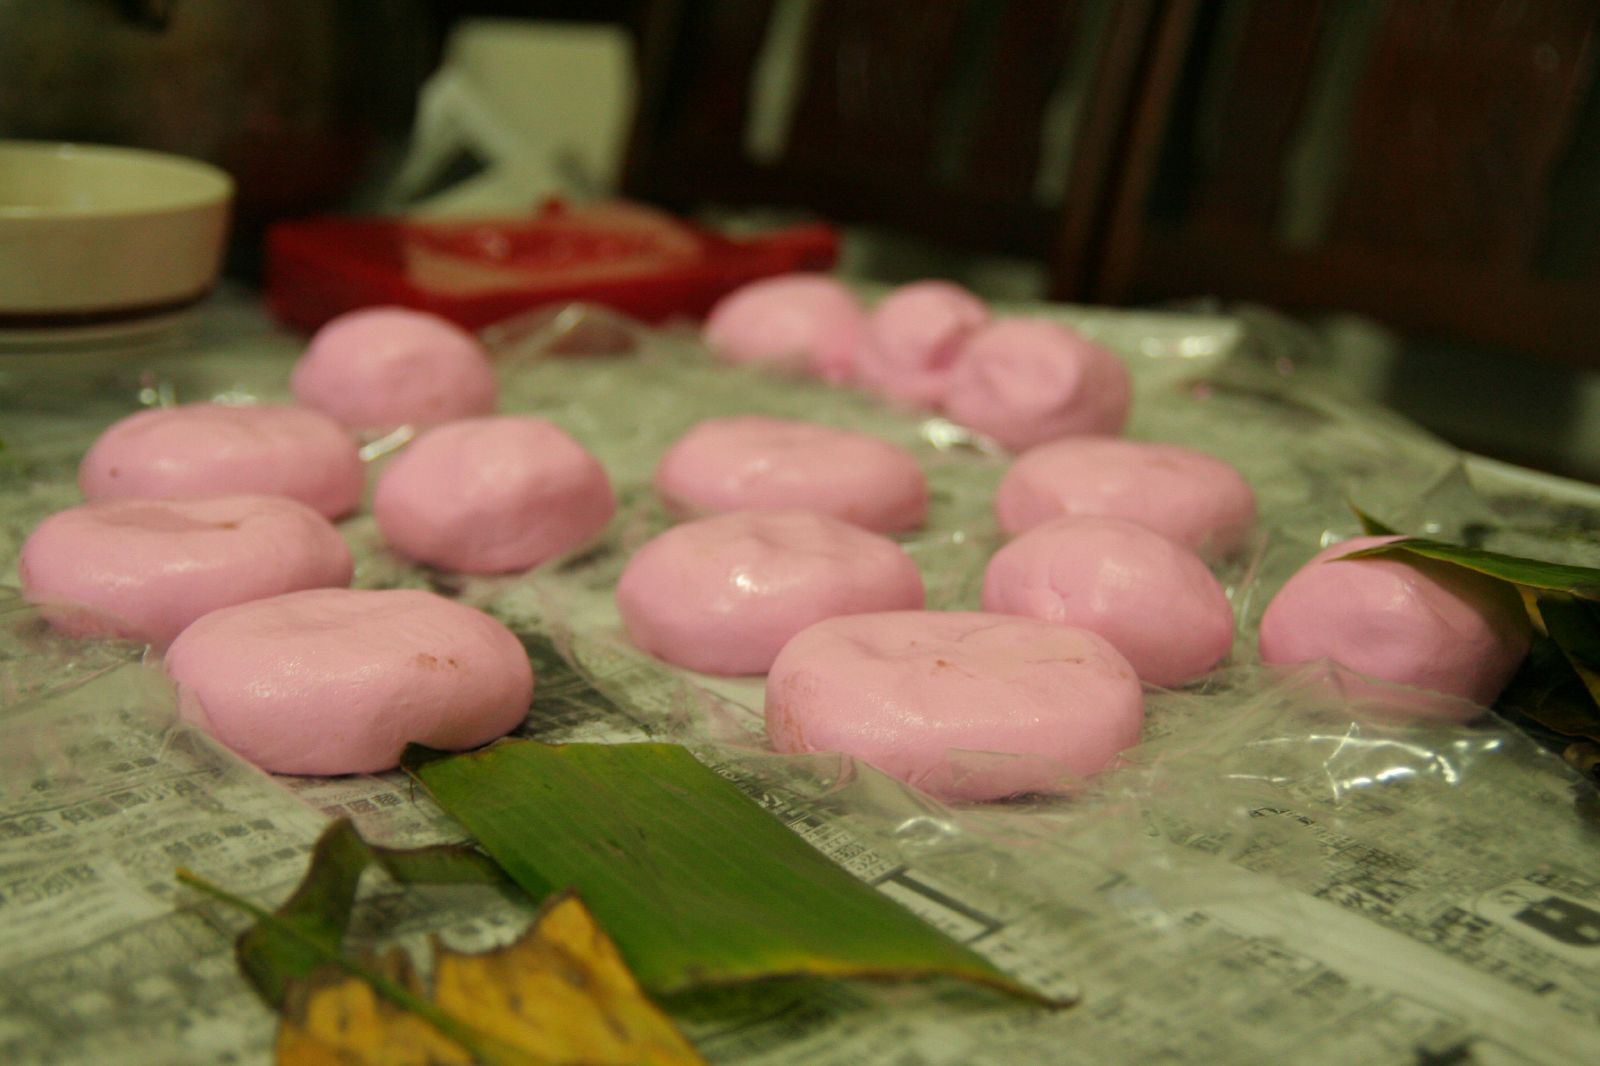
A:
(803, 321)
(722, 595)
(1196, 499)
(1024, 381)
(1152, 598)
(912, 338)
(749, 462)
(209, 449)
(338, 681)
(932, 698)
(1432, 627)
(144, 569)
(390, 366)
(492, 495)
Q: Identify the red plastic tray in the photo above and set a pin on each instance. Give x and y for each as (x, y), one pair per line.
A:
(477, 271)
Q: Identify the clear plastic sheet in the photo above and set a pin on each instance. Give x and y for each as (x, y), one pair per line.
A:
(1276, 871)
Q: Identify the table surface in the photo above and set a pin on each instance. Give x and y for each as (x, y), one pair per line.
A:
(1274, 874)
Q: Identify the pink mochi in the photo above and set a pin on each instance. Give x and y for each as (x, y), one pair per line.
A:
(1196, 499)
(753, 463)
(144, 569)
(391, 366)
(210, 449)
(338, 681)
(724, 594)
(931, 698)
(1024, 381)
(912, 338)
(1152, 598)
(492, 495)
(1431, 627)
(807, 321)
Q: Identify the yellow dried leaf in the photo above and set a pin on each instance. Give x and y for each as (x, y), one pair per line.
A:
(559, 995)
(345, 1023)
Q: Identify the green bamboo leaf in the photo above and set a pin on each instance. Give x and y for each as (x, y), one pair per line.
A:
(1580, 581)
(1548, 692)
(318, 912)
(1574, 625)
(1371, 526)
(695, 883)
(1557, 689)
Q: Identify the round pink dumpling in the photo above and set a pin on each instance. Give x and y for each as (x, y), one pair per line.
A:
(209, 449)
(1152, 598)
(492, 495)
(339, 681)
(1196, 499)
(808, 321)
(1024, 381)
(750, 463)
(724, 594)
(912, 338)
(933, 698)
(144, 569)
(391, 366)
(1429, 626)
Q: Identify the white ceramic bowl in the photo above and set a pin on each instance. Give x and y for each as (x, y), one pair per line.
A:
(93, 235)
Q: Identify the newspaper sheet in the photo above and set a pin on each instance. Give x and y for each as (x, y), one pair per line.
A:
(1274, 875)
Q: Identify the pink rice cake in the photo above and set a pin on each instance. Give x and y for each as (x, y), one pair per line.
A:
(1151, 597)
(492, 495)
(723, 594)
(338, 681)
(144, 569)
(1432, 627)
(1196, 499)
(1025, 381)
(749, 462)
(210, 449)
(912, 338)
(381, 367)
(807, 322)
(966, 706)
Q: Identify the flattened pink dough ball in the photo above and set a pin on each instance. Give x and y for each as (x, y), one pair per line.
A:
(1152, 598)
(912, 339)
(808, 320)
(211, 449)
(1431, 628)
(724, 594)
(338, 681)
(748, 463)
(144, 569)
(391, 366)
(1196, 499)
(492, 495)
(1024, 381)
(910, 691)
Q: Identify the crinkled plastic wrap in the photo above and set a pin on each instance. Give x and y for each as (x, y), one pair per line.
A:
(1266, 799)
(1269, 835)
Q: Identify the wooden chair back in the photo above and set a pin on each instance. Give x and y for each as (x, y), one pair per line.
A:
(983, 124)
(1433, 163)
